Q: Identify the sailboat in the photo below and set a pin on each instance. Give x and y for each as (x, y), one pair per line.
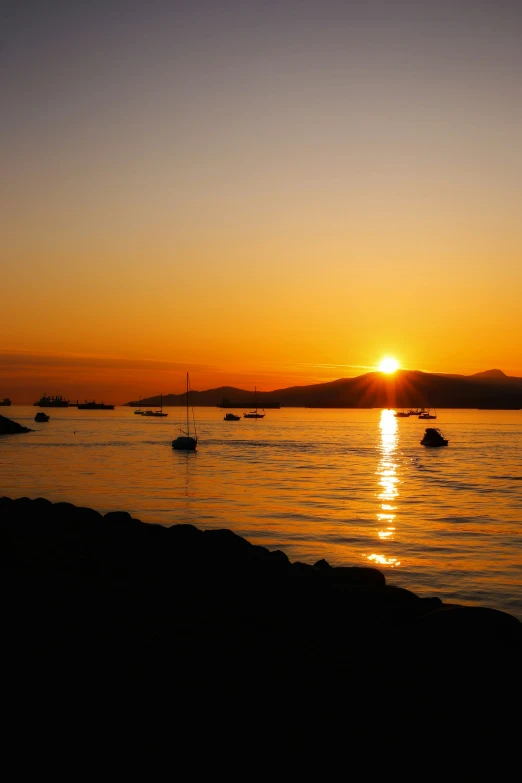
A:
(156, 413)
(254, 414)
(185, 441)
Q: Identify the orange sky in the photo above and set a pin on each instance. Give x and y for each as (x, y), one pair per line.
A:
(265, 204)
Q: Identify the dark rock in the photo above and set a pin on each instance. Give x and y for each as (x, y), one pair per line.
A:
(9, 427)
(322, 564)
(358, 575)
(205, 618)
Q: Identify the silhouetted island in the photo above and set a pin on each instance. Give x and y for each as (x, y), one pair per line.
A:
(106, 603)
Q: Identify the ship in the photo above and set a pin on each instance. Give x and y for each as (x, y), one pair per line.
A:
(5, 402)
(94, 406)
(52, 402)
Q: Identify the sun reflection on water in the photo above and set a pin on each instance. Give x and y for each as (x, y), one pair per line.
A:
(388, 485)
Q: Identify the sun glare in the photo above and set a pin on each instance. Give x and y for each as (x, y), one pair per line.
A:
(388, 365)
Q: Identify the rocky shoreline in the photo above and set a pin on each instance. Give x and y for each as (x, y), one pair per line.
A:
(10, 427)
(210, 616)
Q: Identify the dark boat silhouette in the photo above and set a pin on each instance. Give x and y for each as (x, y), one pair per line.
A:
(52, 402)
(427, 415)
(154, 413)
(433, 437)
(185, 441)
(94, 406)
(254, 414)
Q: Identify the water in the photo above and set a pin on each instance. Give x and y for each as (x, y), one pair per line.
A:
(352, 486)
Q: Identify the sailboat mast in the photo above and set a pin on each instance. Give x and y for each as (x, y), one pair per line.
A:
(187, 406)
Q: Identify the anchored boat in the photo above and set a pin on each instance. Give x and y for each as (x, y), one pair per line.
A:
(94, 406)
(52, 402)
(433, 437)
(254, 414)
(185, 441)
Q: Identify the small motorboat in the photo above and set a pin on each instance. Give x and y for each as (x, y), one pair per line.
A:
(231, 417)
(433, 437)
(41, 416)
(401, 414)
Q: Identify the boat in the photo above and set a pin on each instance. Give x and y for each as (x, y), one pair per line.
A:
(185, 441)
(94, 406)
(433, 437)
(52, 402)
(427, 415)
(5, 402)
(138, 412)
(231, 417)
(254, 414)
(401, 415)
(155, 413)
(41, 416)
(415, 412)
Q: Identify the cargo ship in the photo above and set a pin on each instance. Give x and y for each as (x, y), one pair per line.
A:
(94, 406)
(52, 402)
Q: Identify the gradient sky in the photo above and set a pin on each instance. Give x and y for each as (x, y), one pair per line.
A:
(262, 193)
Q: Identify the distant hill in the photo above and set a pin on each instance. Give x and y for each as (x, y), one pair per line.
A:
(490, 374)
(491, 389)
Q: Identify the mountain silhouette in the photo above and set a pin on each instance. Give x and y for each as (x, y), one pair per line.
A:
(491, 389)
(491, 374)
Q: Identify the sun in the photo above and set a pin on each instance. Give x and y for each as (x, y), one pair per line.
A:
(388, 365)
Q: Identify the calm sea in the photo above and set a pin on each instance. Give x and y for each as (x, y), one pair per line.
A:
(352, 486)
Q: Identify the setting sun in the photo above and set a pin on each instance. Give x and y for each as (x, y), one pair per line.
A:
(388, 365)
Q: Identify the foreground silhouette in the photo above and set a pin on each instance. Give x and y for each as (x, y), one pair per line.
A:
(123, 613)
(10, 427)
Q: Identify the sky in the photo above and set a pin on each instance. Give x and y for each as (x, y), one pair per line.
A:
(260, 193)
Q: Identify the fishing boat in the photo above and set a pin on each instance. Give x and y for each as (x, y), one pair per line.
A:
(41, 416)
(254, 414)
(433, 437)
(231, 417)
(155, 413)
(52, 402)
(185, 441)
(5, 402)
